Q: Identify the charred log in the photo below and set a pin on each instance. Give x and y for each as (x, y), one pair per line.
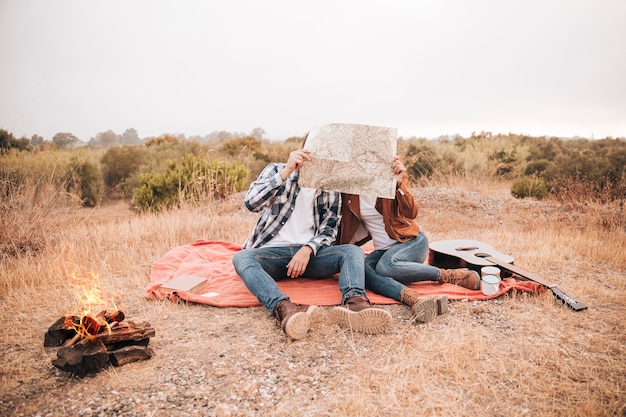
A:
(82, 359)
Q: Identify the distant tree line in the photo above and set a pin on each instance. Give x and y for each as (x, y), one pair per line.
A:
(161, 172)
(538, 166)
(110, 138)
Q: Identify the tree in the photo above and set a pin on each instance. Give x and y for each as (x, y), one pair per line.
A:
(7, 141)
(258, 133)
(130, 137)
(63, 140)
(105, 139)
(119, 163)
(37, 140)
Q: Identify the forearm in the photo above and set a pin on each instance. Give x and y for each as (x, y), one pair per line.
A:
(406, 203)
(330, 215)
(264, 188)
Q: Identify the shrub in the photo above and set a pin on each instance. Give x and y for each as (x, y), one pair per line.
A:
(526, 186)
(190, 179)
(242, 146)
(8, 141)
(119, 164)
(420, 160)
(84, 181)
(537, 167)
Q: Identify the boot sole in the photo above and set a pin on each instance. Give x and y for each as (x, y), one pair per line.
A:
(442, 304)
(298, 325)
(368, 321)
(425, 310)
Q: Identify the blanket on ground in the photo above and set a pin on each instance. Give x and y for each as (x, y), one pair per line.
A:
(212, 259)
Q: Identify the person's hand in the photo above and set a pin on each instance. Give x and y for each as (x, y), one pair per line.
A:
(398, 167)
(297, 264)
(295, 161)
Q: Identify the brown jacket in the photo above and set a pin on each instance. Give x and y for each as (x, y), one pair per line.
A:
(399, 215)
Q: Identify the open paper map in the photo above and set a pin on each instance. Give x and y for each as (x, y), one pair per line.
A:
(350, 158)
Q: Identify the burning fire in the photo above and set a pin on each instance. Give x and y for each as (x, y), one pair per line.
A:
(96, 313)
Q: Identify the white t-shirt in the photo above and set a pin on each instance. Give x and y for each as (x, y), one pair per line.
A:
(301, 231)
(374, 223)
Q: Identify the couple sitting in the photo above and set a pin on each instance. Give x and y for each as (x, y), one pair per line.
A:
(298, 235)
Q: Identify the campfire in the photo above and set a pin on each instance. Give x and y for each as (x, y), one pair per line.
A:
(89, 342)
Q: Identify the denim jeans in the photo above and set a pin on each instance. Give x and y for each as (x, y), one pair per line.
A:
(260, 268)
(386, 271)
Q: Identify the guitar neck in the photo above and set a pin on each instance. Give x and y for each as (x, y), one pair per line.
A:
(558, 293)
(520, 272)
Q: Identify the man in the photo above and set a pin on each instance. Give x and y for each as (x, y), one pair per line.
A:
(293, 238)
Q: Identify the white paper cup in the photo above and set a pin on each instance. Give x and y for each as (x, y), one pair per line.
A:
(489, 270)
(490, 284)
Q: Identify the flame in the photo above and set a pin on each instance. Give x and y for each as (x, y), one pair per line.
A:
(91, 304)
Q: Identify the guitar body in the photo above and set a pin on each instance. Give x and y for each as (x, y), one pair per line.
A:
(472, 254)
(462, 253)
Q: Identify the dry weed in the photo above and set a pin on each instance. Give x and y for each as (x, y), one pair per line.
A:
(517, 355)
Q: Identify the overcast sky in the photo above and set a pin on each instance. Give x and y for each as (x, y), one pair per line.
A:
(428, 68)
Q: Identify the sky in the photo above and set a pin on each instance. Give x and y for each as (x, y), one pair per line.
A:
(426, 67)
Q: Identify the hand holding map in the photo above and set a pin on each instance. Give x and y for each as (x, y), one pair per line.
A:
(351, 158)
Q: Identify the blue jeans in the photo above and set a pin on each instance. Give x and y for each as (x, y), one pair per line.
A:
(260, 268)
(387, 271)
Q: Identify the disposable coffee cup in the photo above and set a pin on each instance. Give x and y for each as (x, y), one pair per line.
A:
(489, 270)
(490, 284)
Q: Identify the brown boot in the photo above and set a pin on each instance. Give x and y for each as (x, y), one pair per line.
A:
(442, 304)
(463, 277)
(293, 319)
(358, 314)
(424, 308)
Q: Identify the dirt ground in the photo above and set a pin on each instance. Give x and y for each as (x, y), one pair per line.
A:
(518, 355)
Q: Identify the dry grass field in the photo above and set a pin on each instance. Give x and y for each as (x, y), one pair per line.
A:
(518, 355)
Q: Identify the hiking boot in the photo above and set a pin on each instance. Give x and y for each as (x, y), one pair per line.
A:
(442, 304)
(358, 314)
(294, 319)
(463, 277)
(424, 308)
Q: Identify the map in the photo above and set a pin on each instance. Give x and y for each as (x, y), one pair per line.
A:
(351, 158)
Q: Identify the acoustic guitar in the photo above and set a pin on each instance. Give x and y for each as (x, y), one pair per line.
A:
(473, 254)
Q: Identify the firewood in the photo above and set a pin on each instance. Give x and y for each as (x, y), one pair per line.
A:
(82, 351)
(116, 316)
(58, 333)
(118, 345)
(133, 332)
(73, 340)
(93, 324)
(129, 354)
(82, 359)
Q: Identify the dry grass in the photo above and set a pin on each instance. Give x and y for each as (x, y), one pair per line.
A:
(514, 356)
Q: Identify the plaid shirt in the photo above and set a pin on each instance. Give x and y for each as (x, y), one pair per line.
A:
(275, 199)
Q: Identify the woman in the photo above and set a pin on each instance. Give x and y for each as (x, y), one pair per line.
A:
(400, 248)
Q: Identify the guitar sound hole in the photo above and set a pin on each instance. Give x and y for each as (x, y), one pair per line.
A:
(482, 255)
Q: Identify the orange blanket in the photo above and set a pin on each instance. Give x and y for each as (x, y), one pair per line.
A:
(213, 260)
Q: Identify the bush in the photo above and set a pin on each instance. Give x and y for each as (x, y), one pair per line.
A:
(119, 164)
(537, 167)
(190, 179)
(527, 186)
(84, 181)
(420, 160)
(8, 141)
